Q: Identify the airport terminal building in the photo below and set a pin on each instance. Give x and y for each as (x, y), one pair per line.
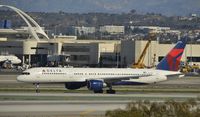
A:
(92, 53)
(79, 52)
(32, 45)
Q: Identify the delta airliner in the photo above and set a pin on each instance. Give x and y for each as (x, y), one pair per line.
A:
(98, 78)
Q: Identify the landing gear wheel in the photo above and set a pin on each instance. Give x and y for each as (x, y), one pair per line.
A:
(101, 91)
(110, 91)
(37, 85)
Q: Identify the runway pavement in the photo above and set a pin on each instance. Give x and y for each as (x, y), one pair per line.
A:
(56, 108)
(74, 104)
(104, 96)
(62, 104)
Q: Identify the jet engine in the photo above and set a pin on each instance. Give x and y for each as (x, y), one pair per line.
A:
(96, 85)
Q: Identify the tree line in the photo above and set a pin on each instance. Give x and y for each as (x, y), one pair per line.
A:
(60, 20)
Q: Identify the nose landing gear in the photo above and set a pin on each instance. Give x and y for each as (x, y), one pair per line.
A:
(37, 85)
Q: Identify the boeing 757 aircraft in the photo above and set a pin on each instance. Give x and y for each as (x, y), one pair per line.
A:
(98, 78)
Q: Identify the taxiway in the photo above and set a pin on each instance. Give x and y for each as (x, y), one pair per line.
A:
(19, 99)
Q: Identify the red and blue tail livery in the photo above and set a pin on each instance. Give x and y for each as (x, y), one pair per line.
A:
(171, 62)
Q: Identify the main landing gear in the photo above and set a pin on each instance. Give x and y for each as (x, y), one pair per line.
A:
(37, 85)
(110, 90)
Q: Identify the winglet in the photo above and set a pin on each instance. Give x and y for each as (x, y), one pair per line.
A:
(171, 62)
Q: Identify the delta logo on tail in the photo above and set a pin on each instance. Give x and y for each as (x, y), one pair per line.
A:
(171, 62)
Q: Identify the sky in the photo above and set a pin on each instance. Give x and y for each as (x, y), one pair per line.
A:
(166, 7)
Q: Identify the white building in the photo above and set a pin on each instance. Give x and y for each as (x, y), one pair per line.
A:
(83, 30)
(152, 29)
(132, 49)
(111, 29)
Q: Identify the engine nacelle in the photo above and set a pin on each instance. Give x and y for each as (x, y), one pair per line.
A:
(75, 85)
(95, 85)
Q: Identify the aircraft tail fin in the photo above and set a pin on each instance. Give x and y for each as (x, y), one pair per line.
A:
(171, 62)
(6, 24)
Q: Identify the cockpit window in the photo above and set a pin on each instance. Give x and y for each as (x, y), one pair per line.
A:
(25, 73)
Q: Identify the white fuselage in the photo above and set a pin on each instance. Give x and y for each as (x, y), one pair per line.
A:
(13, 59)
(63, 75)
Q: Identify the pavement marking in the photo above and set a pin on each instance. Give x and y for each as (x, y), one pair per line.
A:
(84, 113)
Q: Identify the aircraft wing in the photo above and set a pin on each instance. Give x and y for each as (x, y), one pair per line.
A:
(115, 79)
(177, 75)
(172, 74)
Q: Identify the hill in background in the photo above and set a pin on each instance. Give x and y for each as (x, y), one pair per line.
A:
(166, 7)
